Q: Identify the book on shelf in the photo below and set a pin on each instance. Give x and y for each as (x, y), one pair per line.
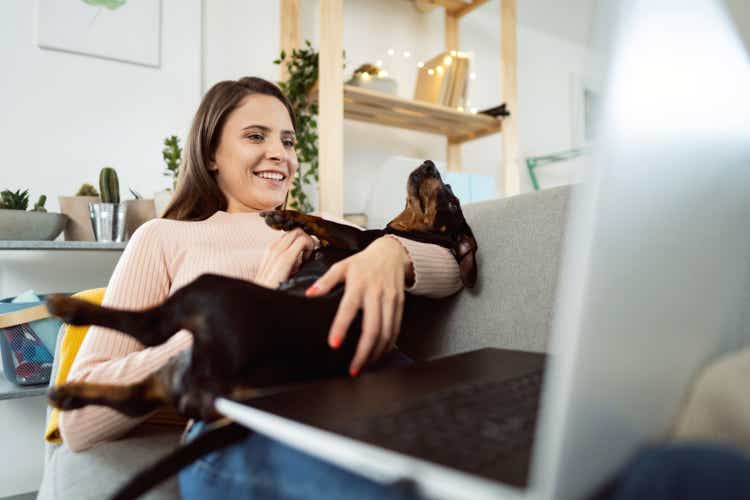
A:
(445, 86)
(429, 87)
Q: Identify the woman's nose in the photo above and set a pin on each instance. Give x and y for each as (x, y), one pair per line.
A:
(276, 151)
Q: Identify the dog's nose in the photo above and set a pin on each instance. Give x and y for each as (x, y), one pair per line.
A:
(429, 168)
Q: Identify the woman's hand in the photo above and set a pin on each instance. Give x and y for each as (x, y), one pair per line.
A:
(283, 258)
(374, 281)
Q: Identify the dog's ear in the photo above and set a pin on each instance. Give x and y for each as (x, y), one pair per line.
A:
(466, 256)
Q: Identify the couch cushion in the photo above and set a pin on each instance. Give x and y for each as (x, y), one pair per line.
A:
(96, 473)
(520, 240)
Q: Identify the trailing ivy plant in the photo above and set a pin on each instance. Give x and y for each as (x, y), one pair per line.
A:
(302, 66)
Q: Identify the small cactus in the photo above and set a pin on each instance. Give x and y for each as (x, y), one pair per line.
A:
(39, 206)
(87, 189)
(14, 201)
(109, 186)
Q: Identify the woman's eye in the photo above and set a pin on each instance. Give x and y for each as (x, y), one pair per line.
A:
(288, 143)
(255, 137)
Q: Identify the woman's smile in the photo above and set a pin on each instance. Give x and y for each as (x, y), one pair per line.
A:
(274, 178)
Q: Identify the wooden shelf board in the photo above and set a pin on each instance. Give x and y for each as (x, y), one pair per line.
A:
(385, 109)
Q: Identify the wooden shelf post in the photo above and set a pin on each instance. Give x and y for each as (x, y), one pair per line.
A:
(289, 40)
(331, 119)
(452, 150)
(510, 178)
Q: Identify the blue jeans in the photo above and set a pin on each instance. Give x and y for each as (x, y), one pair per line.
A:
(684, 472)
(259, 467)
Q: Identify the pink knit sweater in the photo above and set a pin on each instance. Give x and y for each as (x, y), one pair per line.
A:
(164, 255)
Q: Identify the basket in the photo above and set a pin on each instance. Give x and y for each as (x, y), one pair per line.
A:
(27, 341)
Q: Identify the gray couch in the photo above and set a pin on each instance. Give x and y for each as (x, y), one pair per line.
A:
(519, 246)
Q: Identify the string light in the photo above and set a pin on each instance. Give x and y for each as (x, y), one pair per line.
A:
(430, 71)
(391, 52)
(379, 63)
(473, 76)
(448, 60)
(407, 54)
(382, 73)
(474, 110)
(439, 69)
(420, 64)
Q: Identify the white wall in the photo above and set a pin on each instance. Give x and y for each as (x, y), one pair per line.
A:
(64, 116)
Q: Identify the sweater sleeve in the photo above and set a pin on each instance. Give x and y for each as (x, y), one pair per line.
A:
(140, 280)
(436, 272)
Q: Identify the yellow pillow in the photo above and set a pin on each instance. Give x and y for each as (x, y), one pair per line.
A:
(71, 342)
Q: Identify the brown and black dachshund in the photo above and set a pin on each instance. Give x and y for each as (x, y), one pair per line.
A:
(248, 337)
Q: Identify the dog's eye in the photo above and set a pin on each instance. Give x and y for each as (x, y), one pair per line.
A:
(451, 206)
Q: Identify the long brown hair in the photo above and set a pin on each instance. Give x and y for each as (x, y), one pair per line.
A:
(197, 195)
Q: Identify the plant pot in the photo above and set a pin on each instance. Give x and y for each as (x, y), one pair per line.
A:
(138, 212)
(25, 225)
(108, 221)
(162, 200)
(77, 209)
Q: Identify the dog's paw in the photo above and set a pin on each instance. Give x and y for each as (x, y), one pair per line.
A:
(283, 220)
(63, 307)
(196, 404)
(64, 399)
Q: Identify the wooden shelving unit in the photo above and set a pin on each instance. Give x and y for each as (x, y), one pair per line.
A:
(384, 109)
(338, 101)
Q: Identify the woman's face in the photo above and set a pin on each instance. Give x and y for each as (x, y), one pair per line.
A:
(255, 161)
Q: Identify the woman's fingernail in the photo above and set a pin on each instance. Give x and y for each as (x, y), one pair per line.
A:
(335, 342)
(312, 290)
(353, 371)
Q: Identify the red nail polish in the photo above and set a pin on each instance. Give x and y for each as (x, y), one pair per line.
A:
(336, 342)
(311, 291)
(353, 371)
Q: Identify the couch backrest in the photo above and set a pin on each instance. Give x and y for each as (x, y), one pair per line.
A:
(520, 239)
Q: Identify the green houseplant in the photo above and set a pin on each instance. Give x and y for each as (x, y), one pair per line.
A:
(172, 156)
(302, 66)
(17, 200)
(18, 223)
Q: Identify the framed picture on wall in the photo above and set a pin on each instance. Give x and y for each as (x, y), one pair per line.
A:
(120, 30)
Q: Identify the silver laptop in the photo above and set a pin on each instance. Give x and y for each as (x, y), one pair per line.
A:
(654, 280)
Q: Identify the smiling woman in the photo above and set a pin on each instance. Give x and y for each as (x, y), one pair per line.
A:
(256, 161)
(239, 155)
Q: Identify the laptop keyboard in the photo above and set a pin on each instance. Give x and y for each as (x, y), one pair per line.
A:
(477, 427)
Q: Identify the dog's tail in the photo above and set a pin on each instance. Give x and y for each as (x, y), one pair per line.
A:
(147, 326)
(182, 457)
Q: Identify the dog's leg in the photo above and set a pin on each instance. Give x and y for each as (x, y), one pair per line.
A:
(132, 400)
(329, 233)
(151, 327)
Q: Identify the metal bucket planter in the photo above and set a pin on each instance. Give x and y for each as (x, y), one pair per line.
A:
(108, 221)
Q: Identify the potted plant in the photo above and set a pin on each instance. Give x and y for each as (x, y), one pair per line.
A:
(139, 211)
(77, 209)
(108, 216)
(16, 223)
(172, 154)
